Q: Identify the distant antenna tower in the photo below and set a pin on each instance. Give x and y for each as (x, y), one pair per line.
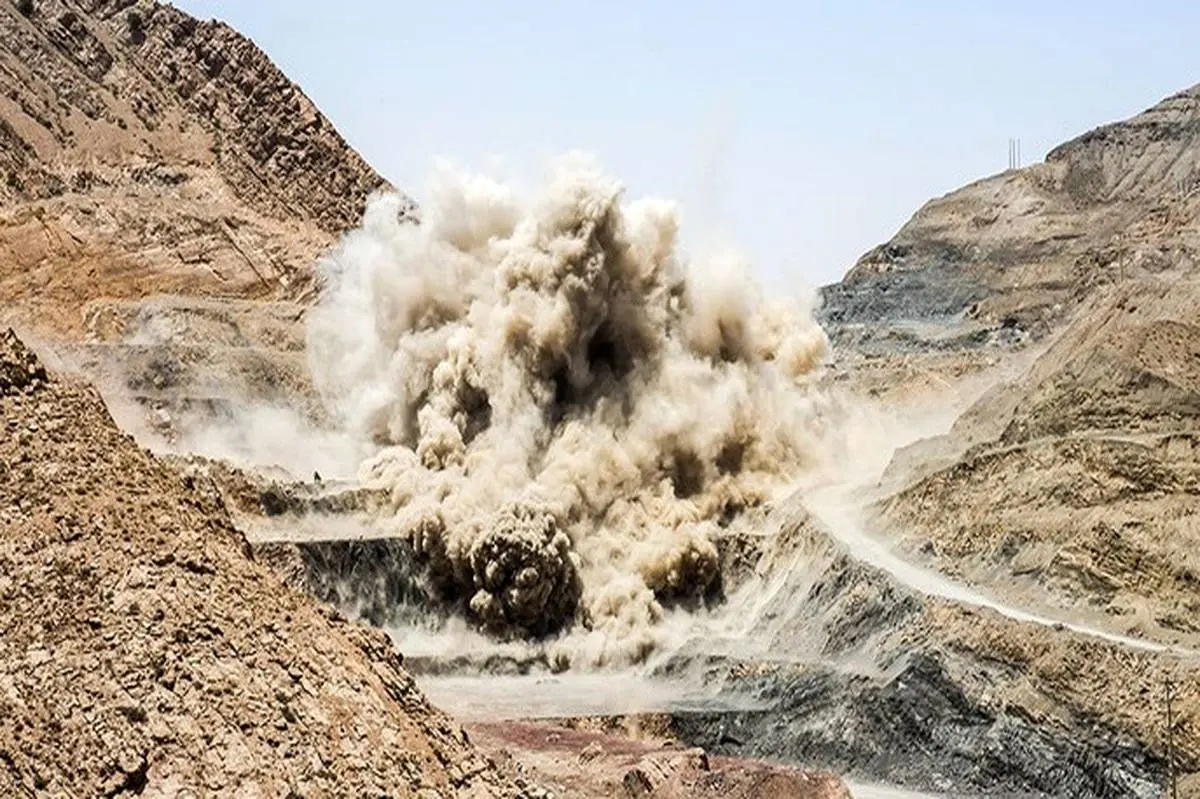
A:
(1014, 153)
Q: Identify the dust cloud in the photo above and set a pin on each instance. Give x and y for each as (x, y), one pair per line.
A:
(568, 414)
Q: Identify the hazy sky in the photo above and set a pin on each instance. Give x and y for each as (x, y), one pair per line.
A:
(808, 132)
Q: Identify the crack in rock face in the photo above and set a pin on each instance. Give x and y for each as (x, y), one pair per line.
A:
(567, 414)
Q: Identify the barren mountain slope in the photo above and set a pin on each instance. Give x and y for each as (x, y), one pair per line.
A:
(1072, 484)
(1069, 489)
(144, 651)
(1079, 482)
(144, 152)
(1007, 258)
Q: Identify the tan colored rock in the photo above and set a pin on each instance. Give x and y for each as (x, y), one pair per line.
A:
(1021, 247)
(144, 651)
(143, 151)
(1078, 480)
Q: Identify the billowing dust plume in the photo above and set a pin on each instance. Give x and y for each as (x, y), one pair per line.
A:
(568, 413)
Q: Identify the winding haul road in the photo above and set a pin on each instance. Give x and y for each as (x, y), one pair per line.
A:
(832, 507)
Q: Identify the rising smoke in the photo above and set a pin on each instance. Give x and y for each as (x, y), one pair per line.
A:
(568, 414)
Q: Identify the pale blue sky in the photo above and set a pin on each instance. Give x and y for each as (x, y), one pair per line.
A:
(830, 123)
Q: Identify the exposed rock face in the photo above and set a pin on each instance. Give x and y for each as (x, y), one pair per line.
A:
(1079, 480)
(1070, 487)
(1148, 158)
(1008, 257)
(957, 700)
(143, 151)
(143, 650)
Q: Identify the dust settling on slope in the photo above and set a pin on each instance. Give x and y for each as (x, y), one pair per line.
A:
(567, 413)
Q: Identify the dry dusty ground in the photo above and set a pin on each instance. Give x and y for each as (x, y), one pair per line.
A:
(582, 763)
(144, 651)
(1070, 487)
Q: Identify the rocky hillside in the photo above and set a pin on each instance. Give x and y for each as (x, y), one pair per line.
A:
(144, 152)
(144, 651)
(1068, 488)
(1009, 257)
(1070, 483)
(1076, 484)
